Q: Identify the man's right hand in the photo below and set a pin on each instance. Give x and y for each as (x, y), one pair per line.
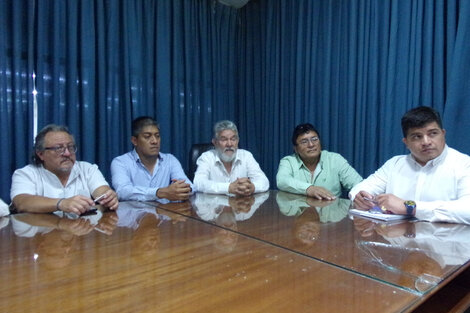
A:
(361, 202)
(320, 193)
(242, 187)
(176, 191)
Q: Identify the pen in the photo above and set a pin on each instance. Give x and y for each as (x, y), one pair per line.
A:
(99, 198)
(376, 207)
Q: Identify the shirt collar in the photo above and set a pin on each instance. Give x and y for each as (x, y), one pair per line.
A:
(435, 161)
(136, 156)
(301, 163)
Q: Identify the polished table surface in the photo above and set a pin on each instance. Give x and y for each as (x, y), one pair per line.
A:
(273, 252)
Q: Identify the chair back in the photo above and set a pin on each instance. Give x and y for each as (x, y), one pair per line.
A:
(196, 150)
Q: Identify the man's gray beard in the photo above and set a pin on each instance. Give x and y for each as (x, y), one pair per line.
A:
(225, 158)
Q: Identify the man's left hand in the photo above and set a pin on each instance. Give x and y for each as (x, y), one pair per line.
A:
(110, 200)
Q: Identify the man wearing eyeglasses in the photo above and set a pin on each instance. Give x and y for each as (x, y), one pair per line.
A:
(312, 171)
(56, 181)
(227, 169)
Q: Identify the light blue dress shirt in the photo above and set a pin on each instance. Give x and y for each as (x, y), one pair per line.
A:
(132, 180)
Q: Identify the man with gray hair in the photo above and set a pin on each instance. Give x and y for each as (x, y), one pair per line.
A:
(56, 181)
(227, 169)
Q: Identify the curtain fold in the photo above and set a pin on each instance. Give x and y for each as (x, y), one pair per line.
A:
(99, 64)
(16, 89)
(350, 67)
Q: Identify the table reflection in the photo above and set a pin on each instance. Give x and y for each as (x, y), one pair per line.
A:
(54, 235)
(145, 221)
(4, 221)
(310, 213)
(328, 211)
(394, 253)
(209, 206)
(226, 211)
(421, 253)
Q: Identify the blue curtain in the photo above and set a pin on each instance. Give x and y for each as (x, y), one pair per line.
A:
(351, 67)
(100, 63)
(16, 89)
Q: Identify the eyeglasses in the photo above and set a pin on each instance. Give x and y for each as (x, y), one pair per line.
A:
(60, 150)
(306, 141)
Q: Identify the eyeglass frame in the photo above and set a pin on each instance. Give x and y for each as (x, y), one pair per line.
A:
(60, 150)
(304, 142)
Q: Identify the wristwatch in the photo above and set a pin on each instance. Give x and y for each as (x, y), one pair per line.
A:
(410, 206)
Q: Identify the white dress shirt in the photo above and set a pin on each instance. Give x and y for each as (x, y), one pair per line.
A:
(212, 177)
(36, 180)
(441, 188)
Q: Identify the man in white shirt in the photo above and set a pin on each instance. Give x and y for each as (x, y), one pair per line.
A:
(431, 183)
(227, 169)
(56, 181)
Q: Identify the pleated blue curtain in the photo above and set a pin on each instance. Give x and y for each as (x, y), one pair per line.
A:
(352, 68)
(16, 89)
(100, 63)
(457, 108)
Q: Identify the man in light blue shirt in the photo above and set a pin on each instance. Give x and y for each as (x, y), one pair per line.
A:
(146, 174)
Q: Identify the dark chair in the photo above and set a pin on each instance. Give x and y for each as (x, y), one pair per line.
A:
(196, 150)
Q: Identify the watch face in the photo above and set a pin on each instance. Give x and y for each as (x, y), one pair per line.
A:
(410, 206)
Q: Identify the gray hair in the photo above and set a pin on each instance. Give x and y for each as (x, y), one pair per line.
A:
(39, 142)
(224, 125)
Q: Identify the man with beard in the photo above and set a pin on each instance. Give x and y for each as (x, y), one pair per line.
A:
(146, 174)
(227, 169)
(56, 181)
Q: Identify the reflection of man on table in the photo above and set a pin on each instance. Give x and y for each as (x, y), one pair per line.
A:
(328, 211)
(55, 236)
(417, 249)
(207, 206)
(310, 213)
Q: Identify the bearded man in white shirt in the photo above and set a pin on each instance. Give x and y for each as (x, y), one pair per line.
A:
(431, 183)
(227, 169)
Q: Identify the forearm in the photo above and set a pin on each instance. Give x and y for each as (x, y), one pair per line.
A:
(208, 186)
(135, 193)
(289, 184)
(35, 204)
(456, 211)
(286, 182)
(261, 184)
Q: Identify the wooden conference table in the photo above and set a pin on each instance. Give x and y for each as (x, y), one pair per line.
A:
(274, 252)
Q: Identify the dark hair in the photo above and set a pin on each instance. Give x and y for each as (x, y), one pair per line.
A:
(419, 117)
(303, 129)
(40, 138)
(139, 123)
